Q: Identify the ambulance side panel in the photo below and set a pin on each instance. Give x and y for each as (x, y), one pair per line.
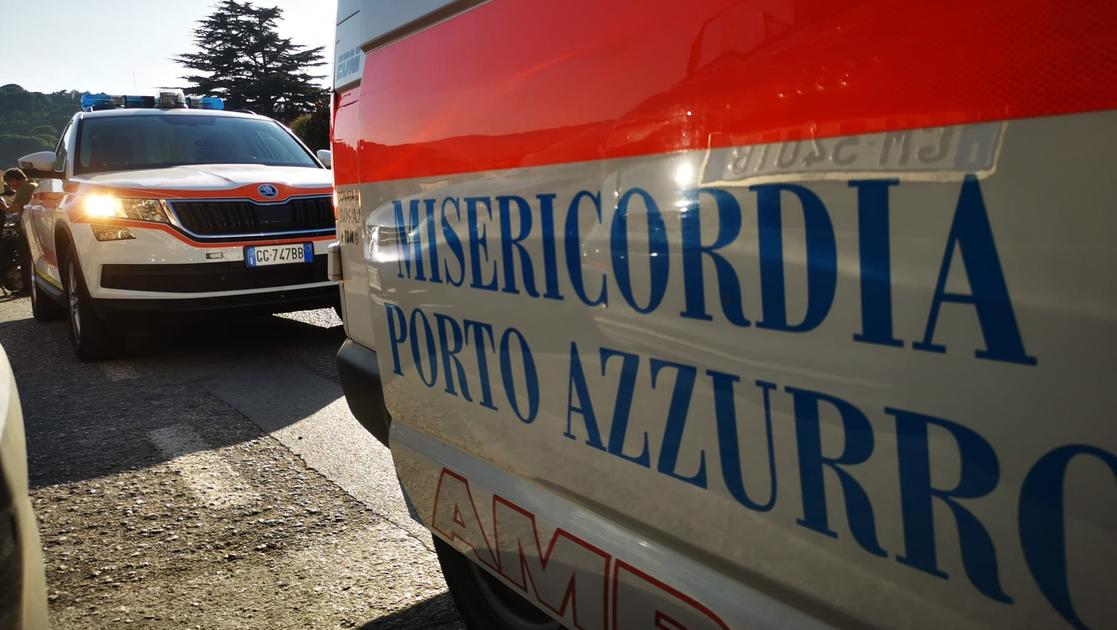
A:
(778, 313)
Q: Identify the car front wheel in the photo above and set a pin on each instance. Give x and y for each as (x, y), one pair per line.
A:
(89, 335)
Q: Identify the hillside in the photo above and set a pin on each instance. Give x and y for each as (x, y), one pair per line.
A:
(32, 121)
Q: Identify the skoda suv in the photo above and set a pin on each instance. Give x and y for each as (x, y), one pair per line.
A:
(149, 208)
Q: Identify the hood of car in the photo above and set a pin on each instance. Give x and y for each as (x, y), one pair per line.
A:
(262, 183)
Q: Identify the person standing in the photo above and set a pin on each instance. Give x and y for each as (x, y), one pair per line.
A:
(14, 178)
(23, 188)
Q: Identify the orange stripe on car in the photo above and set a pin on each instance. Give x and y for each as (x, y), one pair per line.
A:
(248, 191)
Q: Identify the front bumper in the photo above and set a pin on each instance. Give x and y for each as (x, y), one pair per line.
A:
(360, 381)
(161, 263)
(129, 313)
(210, 277)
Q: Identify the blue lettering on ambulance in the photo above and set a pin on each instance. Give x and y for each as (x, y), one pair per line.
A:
(658, 255)
(453, 242)
(1042, 523)
(450, 344)
(511, 244)
(622, 409)
(550, 258)
(972, 235)
(477, 341)
(577, 387)
(407, 228)
(822, 258)
(397, 332)
(876, 274)
(858, 447)
(977, 478)
(725, 411)
(509, 265)
(531, 377)
(417, 355)
(527, 227)
(729, 228)
(676, 421)
(479, 244)
(574, 249)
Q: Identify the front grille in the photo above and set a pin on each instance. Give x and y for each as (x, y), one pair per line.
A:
(223, 218)
(207, 277)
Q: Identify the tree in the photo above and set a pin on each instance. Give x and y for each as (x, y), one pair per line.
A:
(32, 121)
(13, 147)
(314, 128)
(242, 59)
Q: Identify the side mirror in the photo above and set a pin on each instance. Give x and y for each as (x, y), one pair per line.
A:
(326, 157)
(40, 165)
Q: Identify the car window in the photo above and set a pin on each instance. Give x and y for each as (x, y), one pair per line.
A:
(115, 143)
(60, 149)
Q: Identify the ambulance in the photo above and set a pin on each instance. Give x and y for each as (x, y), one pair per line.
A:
(159, 207)
(739, 313)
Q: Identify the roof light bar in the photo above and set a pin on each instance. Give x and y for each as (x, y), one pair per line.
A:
(167, 99)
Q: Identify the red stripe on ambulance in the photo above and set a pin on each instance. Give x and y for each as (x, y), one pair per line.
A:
(511, 84)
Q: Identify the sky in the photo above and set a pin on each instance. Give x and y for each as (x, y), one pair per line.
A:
(126, 46)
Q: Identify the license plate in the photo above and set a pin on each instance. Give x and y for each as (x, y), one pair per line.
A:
(264, 255)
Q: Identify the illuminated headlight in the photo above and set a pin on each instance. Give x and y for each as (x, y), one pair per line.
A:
(109, 207)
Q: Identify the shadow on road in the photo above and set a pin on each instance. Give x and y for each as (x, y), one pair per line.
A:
(87, 420)
(435, 612)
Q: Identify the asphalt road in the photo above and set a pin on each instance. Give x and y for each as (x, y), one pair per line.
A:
(213, 477)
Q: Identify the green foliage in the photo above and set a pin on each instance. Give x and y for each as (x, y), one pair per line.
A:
(242, 59)
(314, 128)
(13, 147)
(32, 121)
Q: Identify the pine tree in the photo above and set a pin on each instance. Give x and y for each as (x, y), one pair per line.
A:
(242, 59)
(314, 128)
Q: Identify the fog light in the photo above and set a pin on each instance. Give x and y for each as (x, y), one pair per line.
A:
(111, 233)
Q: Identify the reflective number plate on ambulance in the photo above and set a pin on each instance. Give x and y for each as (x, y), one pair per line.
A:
(263, 255)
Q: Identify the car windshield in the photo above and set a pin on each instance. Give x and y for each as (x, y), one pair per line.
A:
(119, 143)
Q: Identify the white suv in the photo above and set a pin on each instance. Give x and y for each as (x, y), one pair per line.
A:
(156, 211)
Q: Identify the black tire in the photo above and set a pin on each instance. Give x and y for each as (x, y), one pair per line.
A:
(43, 307)
(486, 603)
(89, 335)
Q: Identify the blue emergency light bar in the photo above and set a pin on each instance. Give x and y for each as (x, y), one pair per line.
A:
(132, 102)
(97, 102)
(205, 102)
(94, 102)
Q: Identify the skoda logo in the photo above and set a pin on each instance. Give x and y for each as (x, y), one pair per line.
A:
(267, 190)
